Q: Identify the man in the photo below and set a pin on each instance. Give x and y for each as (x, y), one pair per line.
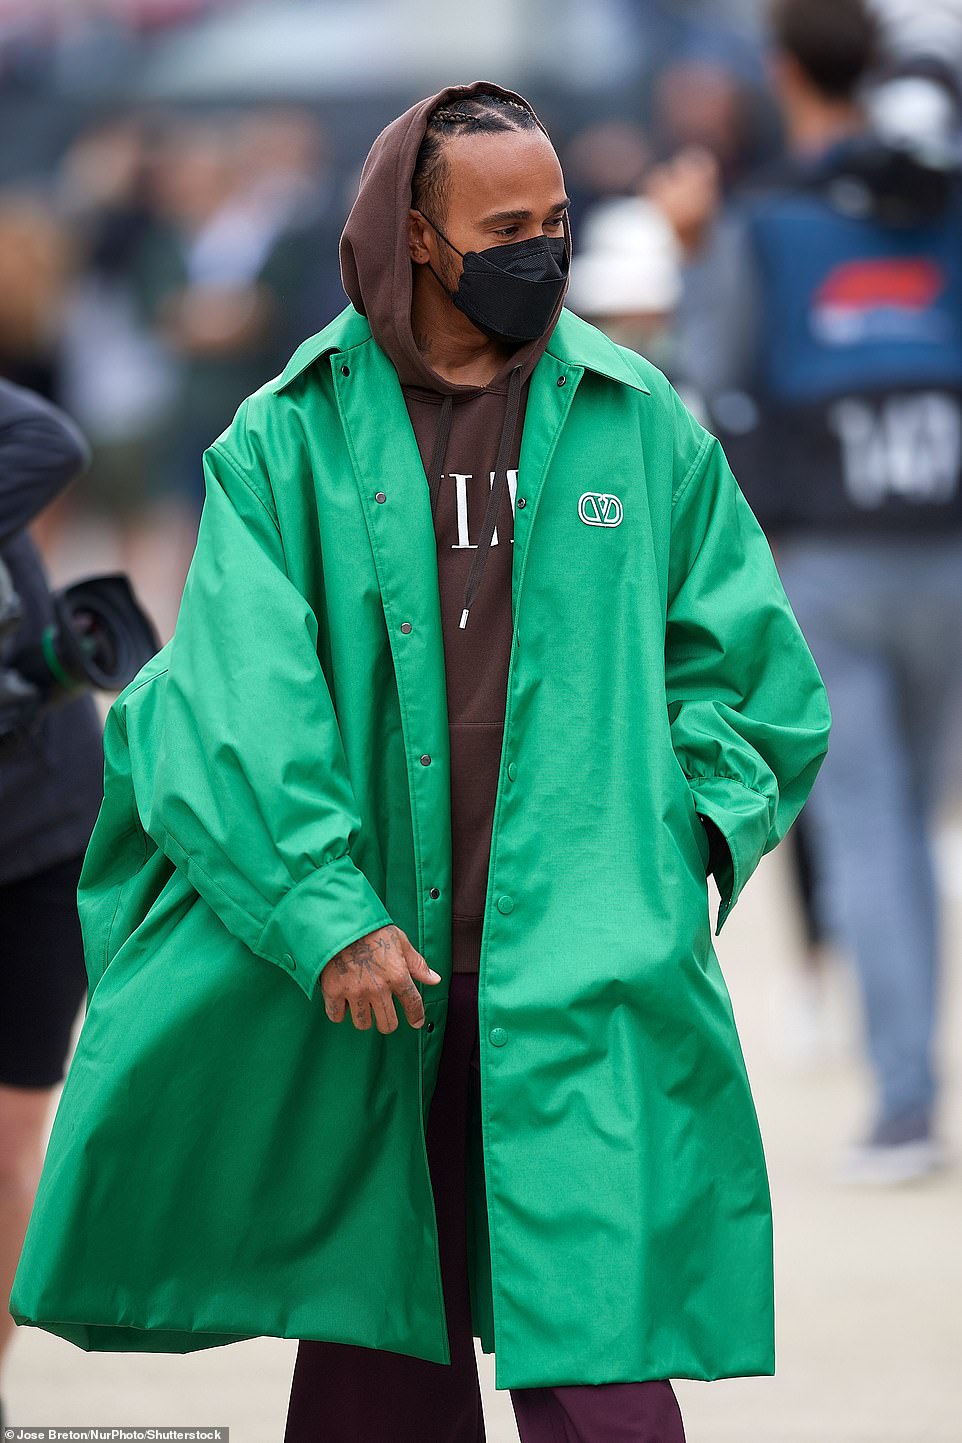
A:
(831, 354)
(478, 625)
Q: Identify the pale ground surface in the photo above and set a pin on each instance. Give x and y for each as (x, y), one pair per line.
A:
(868, 1330)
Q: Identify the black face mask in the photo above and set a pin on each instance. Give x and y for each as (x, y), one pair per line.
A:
(510, 291)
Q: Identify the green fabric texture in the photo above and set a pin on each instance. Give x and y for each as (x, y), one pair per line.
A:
(225, 1162)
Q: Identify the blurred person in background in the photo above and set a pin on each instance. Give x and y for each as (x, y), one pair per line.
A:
(686, 188)
(51, 786)
(603, 161)
(708, 129)
(613, 182)
(35, 264)
(148, 389)
(828, 343)
(289, 164)
(701, 103)
(222, 273)
(116, 375)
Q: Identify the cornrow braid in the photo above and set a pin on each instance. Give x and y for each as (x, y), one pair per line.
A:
(484, 113)
(486, 104)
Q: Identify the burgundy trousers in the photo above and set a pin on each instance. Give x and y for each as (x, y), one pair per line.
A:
(341, 1393)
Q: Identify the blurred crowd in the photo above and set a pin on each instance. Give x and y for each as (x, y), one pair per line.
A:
(162, 274)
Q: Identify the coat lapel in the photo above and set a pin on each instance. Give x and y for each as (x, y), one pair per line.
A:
(387, 465)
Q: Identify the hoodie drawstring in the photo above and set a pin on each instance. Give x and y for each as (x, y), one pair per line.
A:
(509, 424)
(440, 449)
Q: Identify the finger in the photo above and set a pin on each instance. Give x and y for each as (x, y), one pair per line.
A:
(384, 1013)
(335, 1007)
(419, 969)
(361, 1013)
(411, 1001)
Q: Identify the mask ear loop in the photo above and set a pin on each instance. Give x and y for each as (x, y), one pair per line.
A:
(437, 230)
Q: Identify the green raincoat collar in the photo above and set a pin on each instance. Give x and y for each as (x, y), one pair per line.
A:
(573, 342)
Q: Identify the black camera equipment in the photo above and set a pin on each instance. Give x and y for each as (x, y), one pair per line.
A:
(100, 638)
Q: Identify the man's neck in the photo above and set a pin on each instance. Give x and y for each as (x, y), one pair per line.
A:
(450, 345)
(814, 123)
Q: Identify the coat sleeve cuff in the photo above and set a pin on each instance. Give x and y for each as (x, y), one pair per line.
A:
(328, 909)
(744, 816)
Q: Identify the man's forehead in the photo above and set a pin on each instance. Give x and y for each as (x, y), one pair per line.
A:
(503, 171)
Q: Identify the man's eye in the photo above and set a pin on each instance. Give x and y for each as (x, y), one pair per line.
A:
(507, 230)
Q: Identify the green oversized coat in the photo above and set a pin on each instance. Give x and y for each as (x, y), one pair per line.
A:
(225, 1161)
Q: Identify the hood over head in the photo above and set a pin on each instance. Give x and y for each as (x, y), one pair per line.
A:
(376, 266)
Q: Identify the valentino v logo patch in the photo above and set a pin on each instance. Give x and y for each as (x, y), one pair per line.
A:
(600, 508)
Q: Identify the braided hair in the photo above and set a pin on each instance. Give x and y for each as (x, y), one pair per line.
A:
(484, 113)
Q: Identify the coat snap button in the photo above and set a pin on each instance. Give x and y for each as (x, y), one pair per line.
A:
(345, 370)
(405, 627)
(512, 770)
(562, 380)
(521, 501)
(505, 904)
(289, 962)
(429, 1026)
(425, 760)
(379, 496)
(434, 892)
(497, 1036)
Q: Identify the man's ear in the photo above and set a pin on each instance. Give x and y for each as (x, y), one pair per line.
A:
(418, 229)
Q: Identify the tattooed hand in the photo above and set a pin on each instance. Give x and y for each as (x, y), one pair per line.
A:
(369, 973)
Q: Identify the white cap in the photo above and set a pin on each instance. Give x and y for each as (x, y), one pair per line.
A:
(627, 260)
(919, 113)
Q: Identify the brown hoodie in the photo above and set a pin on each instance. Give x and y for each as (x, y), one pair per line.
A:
(467, 436)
